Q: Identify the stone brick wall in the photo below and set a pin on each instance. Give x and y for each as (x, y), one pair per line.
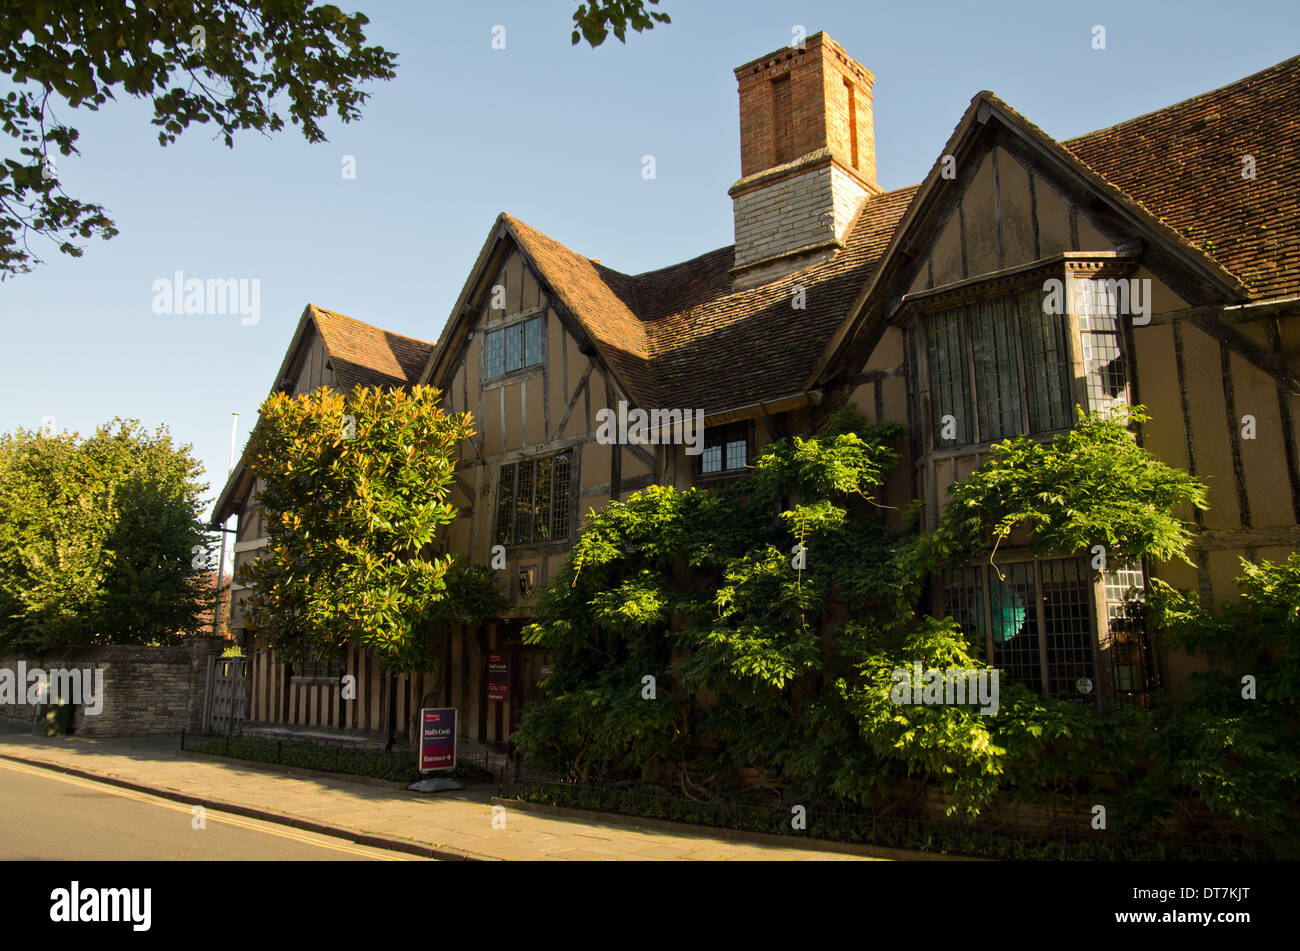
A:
(146, 690)
(794, 213)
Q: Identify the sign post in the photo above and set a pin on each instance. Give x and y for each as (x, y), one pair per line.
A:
(437, 738)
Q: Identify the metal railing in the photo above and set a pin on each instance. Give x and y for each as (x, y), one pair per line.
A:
(993, 835)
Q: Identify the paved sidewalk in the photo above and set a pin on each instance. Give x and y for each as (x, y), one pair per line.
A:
(446, 825)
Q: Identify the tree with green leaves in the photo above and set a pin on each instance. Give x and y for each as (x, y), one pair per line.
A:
(101, 539)
(355, 490)
(234, 65)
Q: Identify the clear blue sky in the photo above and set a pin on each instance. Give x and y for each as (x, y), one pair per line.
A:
(551, 133)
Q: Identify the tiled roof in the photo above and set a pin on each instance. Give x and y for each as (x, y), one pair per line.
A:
(679, 336)
(370, 356)
(1184, 164)
(360, 354)
(602, 299)
(736, 349)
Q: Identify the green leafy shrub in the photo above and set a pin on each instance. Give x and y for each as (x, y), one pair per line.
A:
(773, 673)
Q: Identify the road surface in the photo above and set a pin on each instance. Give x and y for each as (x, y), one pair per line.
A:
(46, 815)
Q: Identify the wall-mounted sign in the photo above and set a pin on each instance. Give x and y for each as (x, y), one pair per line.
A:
(543, 671)
(437, 738)
(498, 678)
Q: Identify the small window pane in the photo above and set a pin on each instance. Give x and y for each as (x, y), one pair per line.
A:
(711, 460)
(1129, 645)
(524, 504)
(914, 415)
(1067, 615)
(1013, 608)
(560, 496)
(1099, 330)
(736, 454)
(949, 379)
(494, 342)
(514, 347)
(533, 342)
(505, 505)
(963, 599)
(542, 526)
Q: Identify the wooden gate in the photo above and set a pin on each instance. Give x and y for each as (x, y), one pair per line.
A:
(228, 695)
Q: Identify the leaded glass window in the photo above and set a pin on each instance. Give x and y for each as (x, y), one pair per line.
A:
(533, 501)
(1038, 618)
(494, 353)
(997, 368)
(949, 380)
(726, 448)
(512, 348)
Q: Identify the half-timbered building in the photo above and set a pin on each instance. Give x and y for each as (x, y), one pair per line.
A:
(921, 305)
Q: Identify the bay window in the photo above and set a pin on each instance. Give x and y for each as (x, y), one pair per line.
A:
(996, 368)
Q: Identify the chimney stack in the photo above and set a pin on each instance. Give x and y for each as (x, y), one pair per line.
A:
(807, 157)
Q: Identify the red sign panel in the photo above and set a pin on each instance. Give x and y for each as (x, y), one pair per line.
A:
(498, 678)
(437, 738)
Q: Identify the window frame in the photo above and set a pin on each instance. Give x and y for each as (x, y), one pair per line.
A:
(920, 307)
(724, 436)
(986, 575)
(980, 394)
(511, 471)
(514, 329)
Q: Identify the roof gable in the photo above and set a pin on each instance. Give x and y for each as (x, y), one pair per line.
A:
(601, 299)
(989, 122)
(360, 354)
(365, 355)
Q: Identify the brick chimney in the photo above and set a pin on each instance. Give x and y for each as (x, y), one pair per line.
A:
(807, 157)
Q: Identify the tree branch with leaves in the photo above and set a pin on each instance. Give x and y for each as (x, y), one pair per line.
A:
(233, 65)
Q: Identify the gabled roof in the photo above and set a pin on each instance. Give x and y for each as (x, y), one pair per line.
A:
(679, 336)
(365, 355)
(1184, 163)
(360, 355)
(1169, 199)
(601, 298)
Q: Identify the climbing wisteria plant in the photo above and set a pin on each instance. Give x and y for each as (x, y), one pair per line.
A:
(747, 635)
